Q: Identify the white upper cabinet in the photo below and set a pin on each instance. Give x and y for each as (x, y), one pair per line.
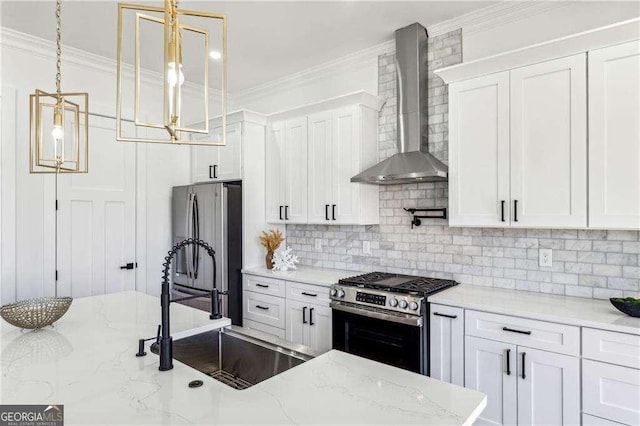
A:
(286, 185)
(614, 137)
(319, 162)
(320, 148)
(479, 151)
(275, 176)
(549, 144)
(218, 163)
(548, 136)
(295, 209)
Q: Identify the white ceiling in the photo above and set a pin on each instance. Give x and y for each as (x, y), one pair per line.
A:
(266, 39)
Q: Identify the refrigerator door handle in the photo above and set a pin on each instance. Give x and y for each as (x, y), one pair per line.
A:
(223, 286)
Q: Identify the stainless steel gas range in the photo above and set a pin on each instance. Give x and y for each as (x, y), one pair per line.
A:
(383, 317)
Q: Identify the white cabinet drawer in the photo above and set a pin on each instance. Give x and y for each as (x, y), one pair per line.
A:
(264, 285)
(535, 334)
(611, 392)
(252, 325)
(612, 347)
(315, 294)
(269, 310)
(589, 420)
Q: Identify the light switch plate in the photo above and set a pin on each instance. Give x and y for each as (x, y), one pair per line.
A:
(545, 257)
(318, 245)
(366, 247)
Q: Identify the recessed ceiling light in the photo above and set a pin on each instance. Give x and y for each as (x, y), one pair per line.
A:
(214, 54)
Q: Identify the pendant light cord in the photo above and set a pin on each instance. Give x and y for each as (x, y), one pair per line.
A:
(58, 92)
(58, 46)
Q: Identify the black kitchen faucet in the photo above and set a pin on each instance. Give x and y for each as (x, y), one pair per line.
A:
(163, 338)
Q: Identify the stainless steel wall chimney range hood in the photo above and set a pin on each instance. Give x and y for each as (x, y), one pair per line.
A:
(412, 163)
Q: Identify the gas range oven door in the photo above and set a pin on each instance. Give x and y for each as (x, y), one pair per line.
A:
(395, 339)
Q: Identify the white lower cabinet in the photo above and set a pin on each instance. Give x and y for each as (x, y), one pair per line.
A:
(490, 367)
(446, 345)
(515, 362)
(611, 392)
(296, 321)
(548, 388)
(536, 372)
(268, 310)
(254, 325)
(524, 386)
(294, 311)
(320, 328)
(309, 325)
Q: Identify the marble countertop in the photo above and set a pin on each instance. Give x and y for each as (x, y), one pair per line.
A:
(316, 276)
(577, 311)
(87, 363)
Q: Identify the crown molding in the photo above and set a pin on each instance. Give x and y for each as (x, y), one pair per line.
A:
(585, 41)
(43, 48)
(494, 15)
(345, 63)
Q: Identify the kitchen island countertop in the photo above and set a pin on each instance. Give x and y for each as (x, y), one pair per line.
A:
(87, 363)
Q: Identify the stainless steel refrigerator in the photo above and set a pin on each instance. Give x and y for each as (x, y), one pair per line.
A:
(211, 212)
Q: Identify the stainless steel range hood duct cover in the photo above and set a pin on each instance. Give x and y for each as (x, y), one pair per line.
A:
(412, 163)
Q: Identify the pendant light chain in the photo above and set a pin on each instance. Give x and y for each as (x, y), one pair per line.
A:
(58, 46)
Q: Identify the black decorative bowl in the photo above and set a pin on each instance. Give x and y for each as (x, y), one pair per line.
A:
(629, 306)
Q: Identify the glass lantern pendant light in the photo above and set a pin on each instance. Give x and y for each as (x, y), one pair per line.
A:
(170, 100)
(58, 124)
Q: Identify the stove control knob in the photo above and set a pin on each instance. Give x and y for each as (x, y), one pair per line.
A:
(333, 292)
(340, 293)
(393, 302)
(403, 304)
(413, 306)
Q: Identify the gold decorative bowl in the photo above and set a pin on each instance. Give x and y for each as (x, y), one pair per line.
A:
(35, 313)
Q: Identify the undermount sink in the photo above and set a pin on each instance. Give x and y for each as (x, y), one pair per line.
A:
(237, 357)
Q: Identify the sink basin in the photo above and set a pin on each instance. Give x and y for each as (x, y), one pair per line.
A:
(237, 357)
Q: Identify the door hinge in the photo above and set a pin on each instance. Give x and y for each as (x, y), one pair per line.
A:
(56, 275)
(56, 204)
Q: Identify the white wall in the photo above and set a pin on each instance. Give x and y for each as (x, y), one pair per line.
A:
(553, 20)
(27, 214)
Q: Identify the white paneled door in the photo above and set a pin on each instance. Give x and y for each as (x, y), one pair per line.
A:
(490, 367)
(548, 388)
(96, 217)
(549, 144)
(275, 176)
(295, 209)
(479, 151)
(319, 149)
(345, 150)
(614, 137)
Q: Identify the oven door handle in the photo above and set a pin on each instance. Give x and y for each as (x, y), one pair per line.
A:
(415, 321)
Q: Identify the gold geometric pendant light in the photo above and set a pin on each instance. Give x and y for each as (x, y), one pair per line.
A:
(165, 64)
(59, 124)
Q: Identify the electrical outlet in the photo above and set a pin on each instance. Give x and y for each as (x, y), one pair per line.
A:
(366, 247)
(545, 257)
(318, 245)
